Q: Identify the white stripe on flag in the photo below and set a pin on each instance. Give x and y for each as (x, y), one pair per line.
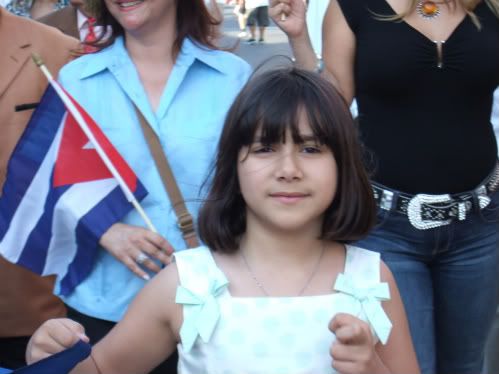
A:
(74, 204)
(31, 207)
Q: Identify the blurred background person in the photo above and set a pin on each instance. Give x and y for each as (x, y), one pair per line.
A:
(35, 8)
(241, 11)
(258, 17)
(75, 20)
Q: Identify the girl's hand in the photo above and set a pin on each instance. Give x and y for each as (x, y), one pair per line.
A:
(290, 16)
(53, 336)
(136, 247)
(353, 351)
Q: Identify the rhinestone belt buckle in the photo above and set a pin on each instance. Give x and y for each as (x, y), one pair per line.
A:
(414, 210)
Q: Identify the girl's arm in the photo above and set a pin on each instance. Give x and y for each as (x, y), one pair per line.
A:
(398, 354)
(338, 46)
(142, 340)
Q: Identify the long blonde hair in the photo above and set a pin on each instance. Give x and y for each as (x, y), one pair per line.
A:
(468, 5)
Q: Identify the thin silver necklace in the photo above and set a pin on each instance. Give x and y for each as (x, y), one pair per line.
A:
(262, 288)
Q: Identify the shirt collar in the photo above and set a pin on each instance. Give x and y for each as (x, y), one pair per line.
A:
(193, 50)
(116, 55)
(80, 19)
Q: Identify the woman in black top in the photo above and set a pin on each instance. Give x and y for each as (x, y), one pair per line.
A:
(423, 73)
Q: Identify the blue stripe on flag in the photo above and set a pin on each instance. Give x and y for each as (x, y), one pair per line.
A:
(60, 363)
(30, 152)
(90, 229)
(35, 250)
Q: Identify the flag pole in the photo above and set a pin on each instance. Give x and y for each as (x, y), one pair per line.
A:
(81, 122)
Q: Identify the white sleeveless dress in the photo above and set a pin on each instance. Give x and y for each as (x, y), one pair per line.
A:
(222, 334)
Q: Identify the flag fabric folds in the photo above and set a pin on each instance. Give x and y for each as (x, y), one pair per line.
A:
(60, 363)
(59, 197)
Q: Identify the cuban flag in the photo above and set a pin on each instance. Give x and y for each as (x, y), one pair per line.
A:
(59, 196)
(60, 363)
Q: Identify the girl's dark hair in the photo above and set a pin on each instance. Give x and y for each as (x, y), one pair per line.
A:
(273, 101)
(193, 21)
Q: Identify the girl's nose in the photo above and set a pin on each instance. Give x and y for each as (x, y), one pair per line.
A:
(288, 167)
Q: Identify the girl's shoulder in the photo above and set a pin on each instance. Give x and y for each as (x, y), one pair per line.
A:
(193, 259)
(362, 264)
(197, 270)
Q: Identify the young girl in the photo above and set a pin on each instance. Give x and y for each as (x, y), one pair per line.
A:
(276, 289)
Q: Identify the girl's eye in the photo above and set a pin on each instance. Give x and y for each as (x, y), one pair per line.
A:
(311, 149)
(263, 149)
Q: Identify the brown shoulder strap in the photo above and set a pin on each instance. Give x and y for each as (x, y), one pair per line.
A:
(184, 218)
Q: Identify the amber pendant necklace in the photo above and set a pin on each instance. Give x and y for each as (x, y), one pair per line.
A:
(428, 9)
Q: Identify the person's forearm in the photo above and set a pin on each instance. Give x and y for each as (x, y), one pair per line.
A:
(303, 52)
(307, 59)
(87, 366)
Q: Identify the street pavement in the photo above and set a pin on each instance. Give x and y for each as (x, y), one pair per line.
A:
(265, 55)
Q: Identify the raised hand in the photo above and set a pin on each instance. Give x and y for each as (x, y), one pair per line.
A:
(290, 16)
(136, 247)
(53, 336)
(353, 351)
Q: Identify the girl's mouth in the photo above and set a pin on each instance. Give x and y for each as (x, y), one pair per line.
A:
(288, 197)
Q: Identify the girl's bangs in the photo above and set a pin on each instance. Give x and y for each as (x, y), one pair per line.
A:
(275, 114)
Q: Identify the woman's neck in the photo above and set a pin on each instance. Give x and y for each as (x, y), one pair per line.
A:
(153, 56)
(153, 47)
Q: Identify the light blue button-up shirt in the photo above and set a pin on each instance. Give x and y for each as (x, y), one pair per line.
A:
(188, 121)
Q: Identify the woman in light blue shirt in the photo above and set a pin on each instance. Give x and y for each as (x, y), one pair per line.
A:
(160, 58)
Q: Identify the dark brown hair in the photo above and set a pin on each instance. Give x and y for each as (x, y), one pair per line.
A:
(194, 21)
(272, 101)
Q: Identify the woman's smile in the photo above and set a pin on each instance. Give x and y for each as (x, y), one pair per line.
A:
(129, 5)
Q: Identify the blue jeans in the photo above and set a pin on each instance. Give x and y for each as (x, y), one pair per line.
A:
(448, 279)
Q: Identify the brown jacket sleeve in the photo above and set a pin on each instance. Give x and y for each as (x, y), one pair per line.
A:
(26, 300)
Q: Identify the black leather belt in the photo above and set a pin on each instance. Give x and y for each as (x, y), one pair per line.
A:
(429, 211)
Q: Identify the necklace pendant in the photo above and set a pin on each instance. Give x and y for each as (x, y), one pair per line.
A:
(428, 9)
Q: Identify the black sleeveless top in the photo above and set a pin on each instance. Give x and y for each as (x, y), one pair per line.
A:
(425, 120)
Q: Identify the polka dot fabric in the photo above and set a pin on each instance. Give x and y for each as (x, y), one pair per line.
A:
(256, 335)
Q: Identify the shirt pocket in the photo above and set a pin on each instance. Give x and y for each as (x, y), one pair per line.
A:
(191, 158)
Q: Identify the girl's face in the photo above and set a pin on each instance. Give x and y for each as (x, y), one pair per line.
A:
(287, 185)
(136, 15)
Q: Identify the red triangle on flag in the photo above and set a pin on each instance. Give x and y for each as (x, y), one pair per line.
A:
(78, 162)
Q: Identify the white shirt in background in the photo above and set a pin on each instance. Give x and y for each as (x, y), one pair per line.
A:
(83, 26)
(315, 15)
(252, 4)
